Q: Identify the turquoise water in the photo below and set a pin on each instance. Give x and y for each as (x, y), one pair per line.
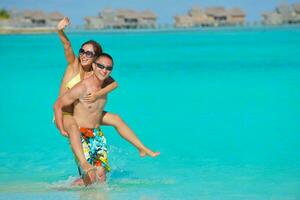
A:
(222, 106)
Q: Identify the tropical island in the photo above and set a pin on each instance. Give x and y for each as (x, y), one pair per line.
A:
(38, 21)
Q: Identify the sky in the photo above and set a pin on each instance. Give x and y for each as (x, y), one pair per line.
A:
(164, 9)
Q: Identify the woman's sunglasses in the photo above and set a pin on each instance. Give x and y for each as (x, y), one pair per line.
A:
(88, 54)
(109, 68)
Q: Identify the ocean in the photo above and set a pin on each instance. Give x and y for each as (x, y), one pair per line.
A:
(221, 105)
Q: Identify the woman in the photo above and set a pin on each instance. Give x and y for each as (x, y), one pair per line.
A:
(77, 70)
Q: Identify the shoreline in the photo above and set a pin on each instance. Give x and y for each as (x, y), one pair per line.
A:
(13, 31)
(38, 30)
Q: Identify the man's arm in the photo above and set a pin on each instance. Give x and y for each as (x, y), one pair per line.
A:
(67, 99)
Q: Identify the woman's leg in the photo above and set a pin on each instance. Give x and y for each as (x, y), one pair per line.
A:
(123, 129)
(71, 127)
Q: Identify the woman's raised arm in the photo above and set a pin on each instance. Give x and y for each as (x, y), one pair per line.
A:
(69, 53)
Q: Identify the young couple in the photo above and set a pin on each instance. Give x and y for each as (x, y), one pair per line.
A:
(79, 110)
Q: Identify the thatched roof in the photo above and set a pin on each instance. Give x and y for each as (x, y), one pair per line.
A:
(271, 15)
(126, 13)
(272, 18)
(148, 14)
(182, 17)
(183, 21)
(202, 20)
(27, 13)
(39, 15)
(56, 16)
(236, 12)
(216, 11)
(132, 15)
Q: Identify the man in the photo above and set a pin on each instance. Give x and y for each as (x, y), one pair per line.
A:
(87, 116)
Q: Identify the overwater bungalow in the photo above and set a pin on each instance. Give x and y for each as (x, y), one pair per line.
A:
(296, 8)
(122, 19)
(271, 18)
(217, 14)
(282, 14)
(183, 21)
(199, 17)
(31, 19)
(127, 19)
(39, 19)
(147, 19)
(211, 16)
(53, 18)
(236, 16)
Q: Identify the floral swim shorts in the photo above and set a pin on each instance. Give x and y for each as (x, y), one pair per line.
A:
(94, 147)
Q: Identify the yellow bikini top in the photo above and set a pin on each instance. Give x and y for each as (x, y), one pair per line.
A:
(76, 79)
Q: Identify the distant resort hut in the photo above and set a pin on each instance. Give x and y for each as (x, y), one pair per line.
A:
(272, 18)
(286, 13)
(32, 19)
(35, 18)
(53, 18)
(217, 14)
(183, 21)
(199, 17)
(127, 19)
(282, 14)
(93, 23)
(212, 16)
(296, 8)
(121, 19)
(296, 14)
(236, 16)
(147, 19)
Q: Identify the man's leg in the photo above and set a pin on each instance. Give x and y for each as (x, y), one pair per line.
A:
(101, 177)
(71, 127)
(101, 174)
(123, 129)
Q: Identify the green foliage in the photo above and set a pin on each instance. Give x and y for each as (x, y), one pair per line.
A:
(4, 14)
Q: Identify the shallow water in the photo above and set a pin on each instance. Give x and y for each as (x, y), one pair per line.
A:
(222, 106)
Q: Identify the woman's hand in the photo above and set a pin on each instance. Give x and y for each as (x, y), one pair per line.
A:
(90, 98)
(63, 23)
(64, 133)
(61, 130)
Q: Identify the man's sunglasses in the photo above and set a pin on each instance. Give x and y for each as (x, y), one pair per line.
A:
(88, 54)
(109, 68)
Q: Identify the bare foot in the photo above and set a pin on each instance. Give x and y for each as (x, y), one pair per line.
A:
(78, 182)
(89, 174)
(147, 152)
(101, 175)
